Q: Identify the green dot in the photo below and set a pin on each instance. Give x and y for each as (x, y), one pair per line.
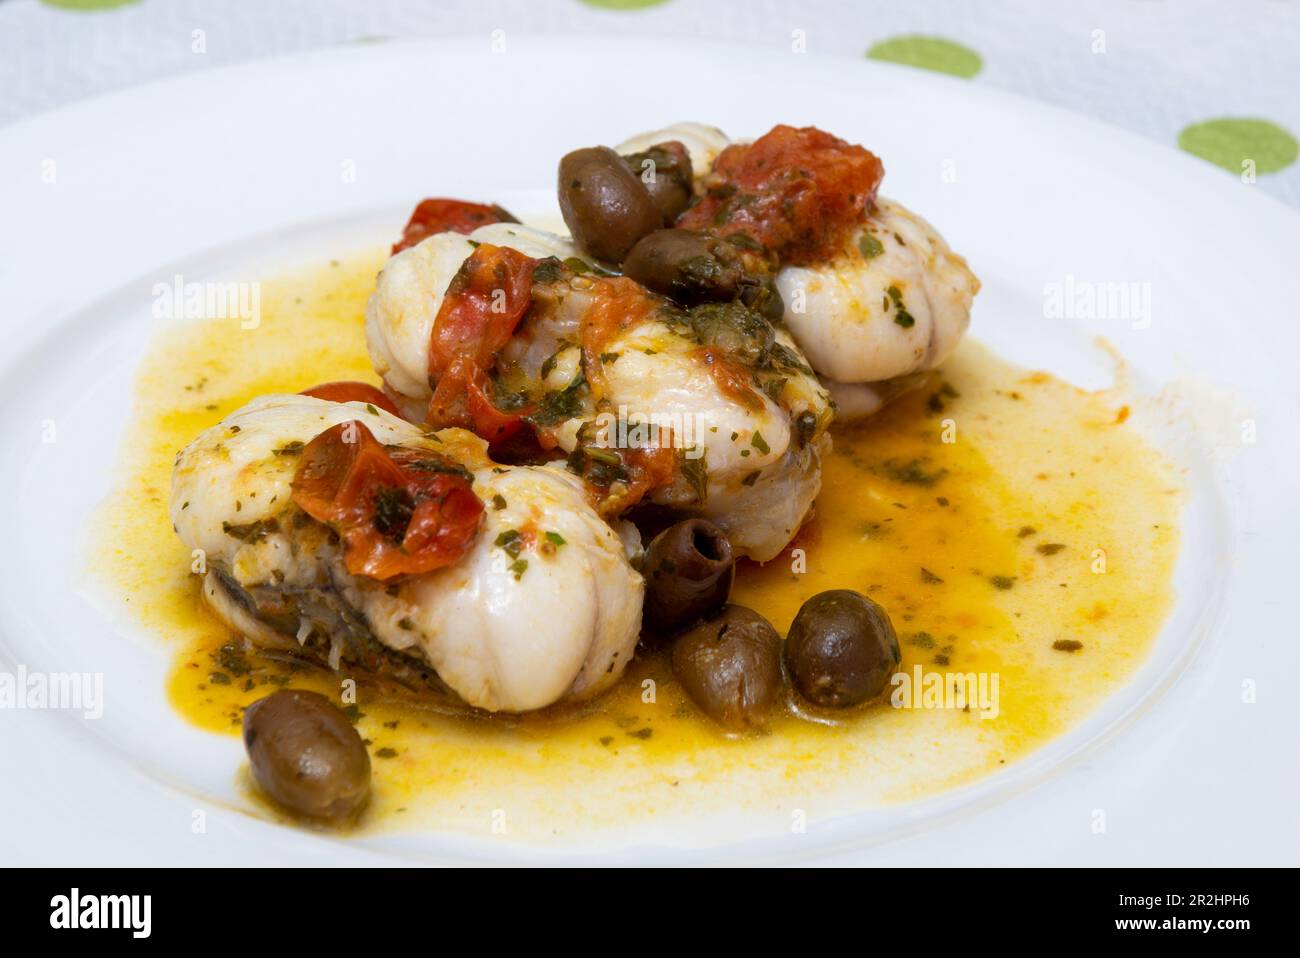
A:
(623, 4)
(928, 53)
(86, 6)
(1230, 142)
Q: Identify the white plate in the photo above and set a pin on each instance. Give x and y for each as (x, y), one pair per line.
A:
(243, 168)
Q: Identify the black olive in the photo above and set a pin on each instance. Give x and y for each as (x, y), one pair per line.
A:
(686, 265)
(841, 649)
(606, 207)
(665, 171)
(306, 755)
(730, 666)
(736, 330)
(689, 568)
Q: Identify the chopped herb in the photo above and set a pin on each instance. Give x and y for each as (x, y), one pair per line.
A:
(912, 472)
(289, 449)
(442, 465)
(555, 538)
(1026, 531)
(232, 659)
(759, 443)
(519, 567)
(901, 315)
(511, 542)
(1067, 645)
(1050, 548)
(386, 752)
(394, 507)
(1002, 581)
(498, 502)
(870, 246)
(560, 404)
(929, 577)
(696, 473)
(750, 479)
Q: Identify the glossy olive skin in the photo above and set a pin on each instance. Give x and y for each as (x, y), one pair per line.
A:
(306, 755)
(841, 649)
(686, 265)
(672, 185)
(730, 666)
(605, 205)
(688, 569)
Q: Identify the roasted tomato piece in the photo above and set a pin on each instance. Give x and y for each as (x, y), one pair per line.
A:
(485, 302)
(398, 511)
(349, 391)
(448, 216)
(797, 191)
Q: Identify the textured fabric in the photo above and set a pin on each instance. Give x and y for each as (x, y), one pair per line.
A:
(1182, 72)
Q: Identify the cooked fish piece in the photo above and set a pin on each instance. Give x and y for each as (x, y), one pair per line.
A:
(410, 290)
(703, 143)
(541, 606)
(594, 349)
(895, 302)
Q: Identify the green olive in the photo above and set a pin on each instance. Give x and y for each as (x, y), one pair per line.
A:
(605, 205)
(841, 649)
(730, 666)
(306, 755)
(665, 170)
(688, 568)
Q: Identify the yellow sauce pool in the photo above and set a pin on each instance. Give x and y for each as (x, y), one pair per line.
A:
(1013, 526)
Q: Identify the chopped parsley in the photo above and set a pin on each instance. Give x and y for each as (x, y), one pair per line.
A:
(870, 246)
(511, 541)
(901, 315)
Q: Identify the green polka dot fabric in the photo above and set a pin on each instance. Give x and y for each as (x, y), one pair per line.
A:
(1238, 145)
(929, 53)
(1220, 83)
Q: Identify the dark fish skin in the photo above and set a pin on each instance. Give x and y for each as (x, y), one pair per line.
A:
(390, 673)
